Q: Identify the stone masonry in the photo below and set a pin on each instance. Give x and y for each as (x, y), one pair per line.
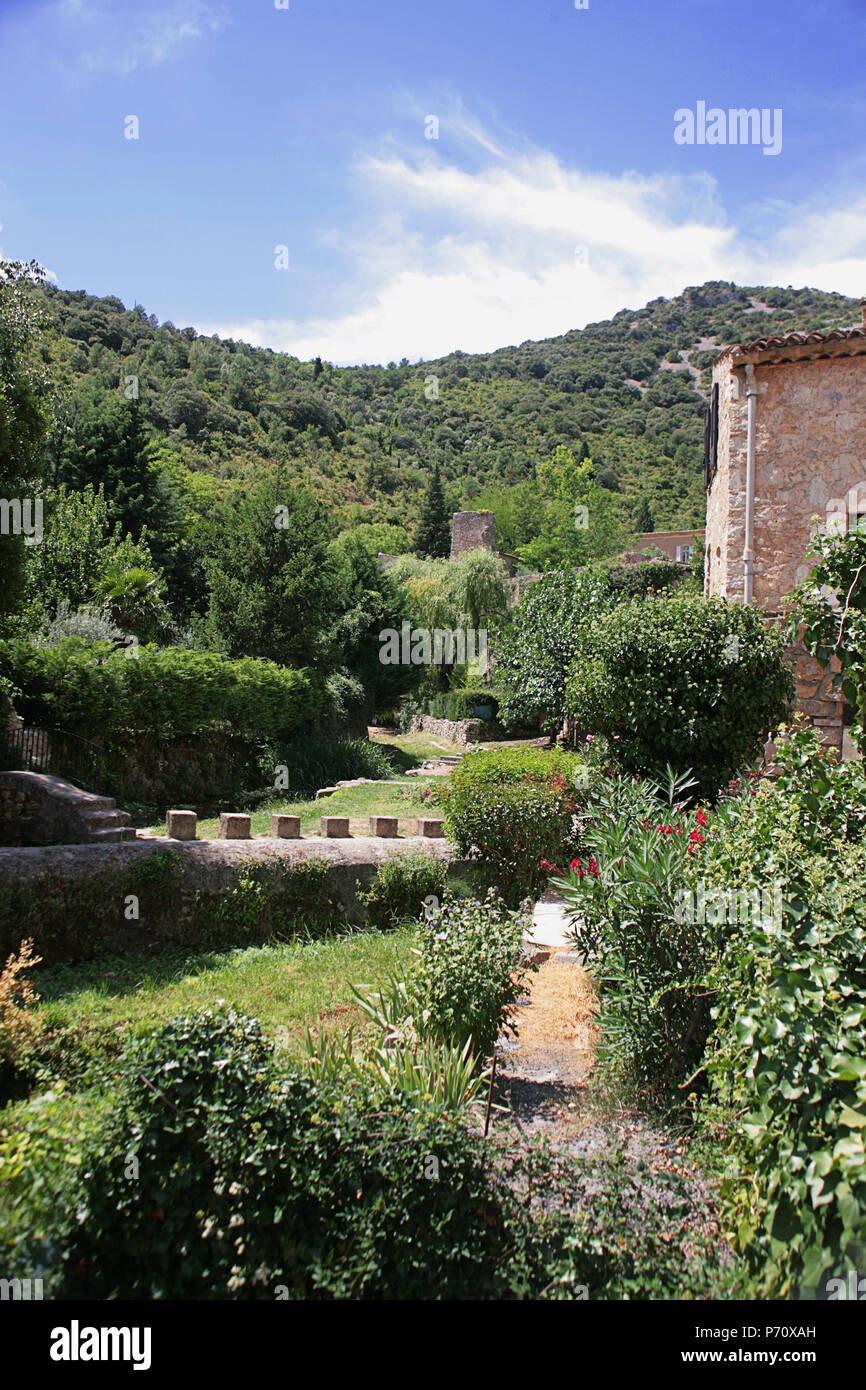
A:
(472, 531)
(810, 471)
(36, 809)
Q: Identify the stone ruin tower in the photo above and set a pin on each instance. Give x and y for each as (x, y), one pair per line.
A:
(472, 531)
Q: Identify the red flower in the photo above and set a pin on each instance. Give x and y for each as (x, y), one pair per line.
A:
(696, 837)
(593, 868)
(575, 864)
(701, 818)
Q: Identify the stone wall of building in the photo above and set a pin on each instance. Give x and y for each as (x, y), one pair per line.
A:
(810, 462)
(472, 531)
(724, 531)
(810, 448)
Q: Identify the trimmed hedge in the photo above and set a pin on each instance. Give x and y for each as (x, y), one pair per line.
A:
(685, 681)
(96, 690)
(510, 808)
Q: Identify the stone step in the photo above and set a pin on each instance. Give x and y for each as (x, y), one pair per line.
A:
(115, 835)
(104, 820)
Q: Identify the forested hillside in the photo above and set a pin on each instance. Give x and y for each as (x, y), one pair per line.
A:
(628, 393)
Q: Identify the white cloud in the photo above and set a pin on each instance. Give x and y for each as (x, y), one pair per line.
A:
(122, 38)
(479, 260)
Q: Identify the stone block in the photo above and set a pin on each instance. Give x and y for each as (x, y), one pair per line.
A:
(335, 827)
(384, 826)
(234, 826)
(428, 828)
(285, 827)
(180, 825)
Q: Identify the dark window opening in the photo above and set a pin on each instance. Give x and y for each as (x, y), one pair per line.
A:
(711, 438)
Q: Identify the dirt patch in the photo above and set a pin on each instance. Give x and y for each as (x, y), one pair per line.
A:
(544, 1070)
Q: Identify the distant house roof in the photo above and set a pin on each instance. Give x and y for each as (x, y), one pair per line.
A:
(792, 347)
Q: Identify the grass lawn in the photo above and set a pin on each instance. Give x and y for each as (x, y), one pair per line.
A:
(90, 1009)
(411, 750)
(402, 799)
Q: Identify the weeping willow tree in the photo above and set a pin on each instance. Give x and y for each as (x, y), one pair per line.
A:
(466, 595)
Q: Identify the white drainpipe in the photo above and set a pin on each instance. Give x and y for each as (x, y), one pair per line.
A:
(748, 551)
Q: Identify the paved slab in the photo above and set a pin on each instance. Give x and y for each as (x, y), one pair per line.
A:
(549, 927)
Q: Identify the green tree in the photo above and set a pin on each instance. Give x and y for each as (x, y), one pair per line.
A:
(370, 601)
(273, 587)
(643, 520)
(24, 417)
(533, 656)
(79, 546)
(104, 443)
(433, 533)
(578, 520)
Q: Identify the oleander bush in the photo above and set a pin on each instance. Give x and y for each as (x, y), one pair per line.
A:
(628, 897)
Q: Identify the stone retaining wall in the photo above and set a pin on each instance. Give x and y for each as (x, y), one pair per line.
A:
(76, 896)
(460, 731)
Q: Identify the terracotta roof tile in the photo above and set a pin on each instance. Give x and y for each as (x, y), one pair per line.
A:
(791, 346)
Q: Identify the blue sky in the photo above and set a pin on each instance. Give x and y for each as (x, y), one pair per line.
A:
(554, 195)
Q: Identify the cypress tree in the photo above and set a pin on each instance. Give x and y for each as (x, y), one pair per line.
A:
(643, 521)
(433, 534)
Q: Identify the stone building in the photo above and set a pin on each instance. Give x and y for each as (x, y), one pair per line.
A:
(676, 545)
(472, 531)
(785, 453)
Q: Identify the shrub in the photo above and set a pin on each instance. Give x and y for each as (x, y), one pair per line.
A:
(317, 761)
(403, 884)
(677, 680)
(213, 1172)
(472, 971)
(320, 1193)
(786, 1059)
(509, 808)
(42, 1143)
(95, 690)
(625, 897)
(648, 577)
(17, 1022)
